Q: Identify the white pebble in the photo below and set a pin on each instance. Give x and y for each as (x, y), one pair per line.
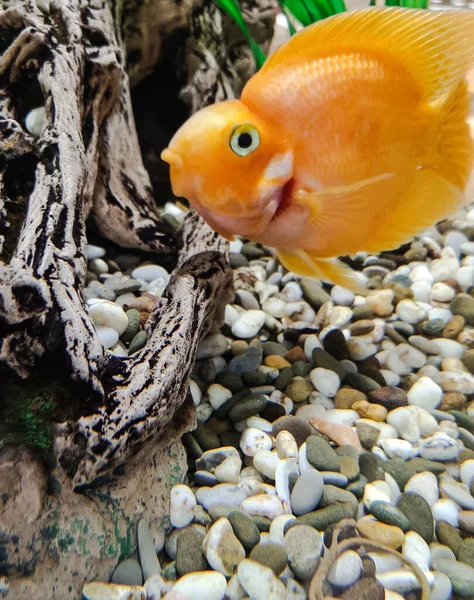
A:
(421, 273)
(411, 356)
(416, 549)
(325, 381)
(421, 290)
(442, 587)
(447, 510)
(360, 348)
(263, 505)
(218, 394)
(221, 547)
(108, 337)
(377, 490)
(34, 121)
(467, 472)
(465, 276)
(456, 381)
(425, 393)
(260, 582)
(275, 307)
(195, 392)
(266, 463)
(410, 311)
(468, 248)
(201, 585)
(248, 324)
(381, 302)
(94, 252)
(182, 505)
(390, 377)
(342, 297)
(425, 484)
(252, 440)
(286, 445)
(395, 448)
(440, 313)
(108, 314)
(442, 292)
(458, 492)
(149, 273)
(455, 239)
(385, 562)
(346, 569)
(449, 348)
(439, 447)
(229, 470)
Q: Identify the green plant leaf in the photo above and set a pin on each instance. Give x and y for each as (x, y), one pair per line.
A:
(392, 2)
(232, 8)
(287, 14)
(298, 9)
(339, 6)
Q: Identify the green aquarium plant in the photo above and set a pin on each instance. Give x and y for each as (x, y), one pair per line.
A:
(304, 12)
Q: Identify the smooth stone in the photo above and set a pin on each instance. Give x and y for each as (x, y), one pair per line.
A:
(389, 396)
(156, 587)
(204, 585)
(346, 569)
(457, 492)
(299, 428)
(466, 552)
(418, 512)
(263, 506)
(325, 381)
(439, 446)
(377, 490)
(365, 588)
(372, 467)
(189, 553)
(149, 273)
(307, 492)
(221, 547)
(461, 576)
(320, 454)
(271, 555)
(223, 493)
(463, 304)
(128, 572)
(248, 407)
(229, 470)
(247, 362)
(218, 394)
(449, 536)
(349, 465)
(384, 562)
(298, 389)
(314, 293)
(108, 314)
(248, 324)
(363, 383)
(442, 588)
(425, 393)
(334, 495)
(303, 546)
(465, 520)
(210, 459)
(260, 581)
(133, 326)
(96, 590)
(446, 510)
(389, 514)
(395, 448)
(334, 478)
(146, 550)
(416, 549)
(138, 342)
(388, 535)
(322, 518)
(424, 484)
(211, 346)
(402, 581)
(107, 335)
(182, 504)
(253, 440)
(245, 529)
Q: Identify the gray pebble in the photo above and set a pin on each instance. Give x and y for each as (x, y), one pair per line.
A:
(128, 572)
(303, 545)
(387, 513)
(138, 342)
(245, 529)
(133, 326)
(189, 554)
(320, 454)
(146, 550)
(307, 492)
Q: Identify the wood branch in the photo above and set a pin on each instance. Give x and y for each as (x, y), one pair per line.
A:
(87, 159)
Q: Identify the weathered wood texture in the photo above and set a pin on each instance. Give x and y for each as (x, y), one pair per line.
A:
(66, 54)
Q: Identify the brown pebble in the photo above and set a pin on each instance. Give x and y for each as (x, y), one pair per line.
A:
(296, 353)
(380, 532)
(400, 292)
(144, 314)
(368, 567)
(452, 401)
(299, 428)
(454, 327)
(276, 362)
(389, 396)
(366, 588)
(346, 397)
(142, 304)
(361, 327)
(239, 347)
(369, 410)
(338, 433)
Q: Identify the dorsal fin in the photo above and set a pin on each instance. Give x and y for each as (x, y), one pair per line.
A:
(435, 47)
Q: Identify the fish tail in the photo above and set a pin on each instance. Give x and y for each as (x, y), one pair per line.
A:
(455, 147)
(304, 263)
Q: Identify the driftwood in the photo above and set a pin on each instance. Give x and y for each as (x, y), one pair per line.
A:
(67, 56)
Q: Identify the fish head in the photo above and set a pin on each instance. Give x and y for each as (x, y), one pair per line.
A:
(231, 166)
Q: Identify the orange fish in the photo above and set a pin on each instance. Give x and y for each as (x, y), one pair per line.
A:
(352, 137)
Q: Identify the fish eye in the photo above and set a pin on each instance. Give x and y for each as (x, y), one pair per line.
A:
(244, 140)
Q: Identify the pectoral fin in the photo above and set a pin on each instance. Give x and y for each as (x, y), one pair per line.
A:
(304, 263)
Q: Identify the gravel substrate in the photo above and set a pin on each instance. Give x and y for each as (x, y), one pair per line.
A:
(314, 406)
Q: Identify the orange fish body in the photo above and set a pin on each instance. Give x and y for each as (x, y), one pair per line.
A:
(352, 137)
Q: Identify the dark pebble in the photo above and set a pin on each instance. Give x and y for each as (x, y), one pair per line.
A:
(313, 293)
(193, 449)
(323, 359)
(418, 512)
(371, 467)
(300, 368)
(205, 479)
(138, 342)
(362, 313)
(400, 471)
(237, 260)
(335, 343)
(362, 382)
(320, 519)
(133, 316)
(432, 328)
(357, 486)
(231, 438)
(245, 529)
(250, 360)
(463, 420)
(251, 250)
(449, 536)
(189, 554)
(365, 588)
(207, 371)
(299, 428)
(320, 454)
(224, 409)
(271, 555)
(270, 348)
(247, 408)
(463, 304)
(262, 523)
(389, 396)
(231, 381)
(254, 378)
(284, 378)
(273, 411)
(419, 465)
